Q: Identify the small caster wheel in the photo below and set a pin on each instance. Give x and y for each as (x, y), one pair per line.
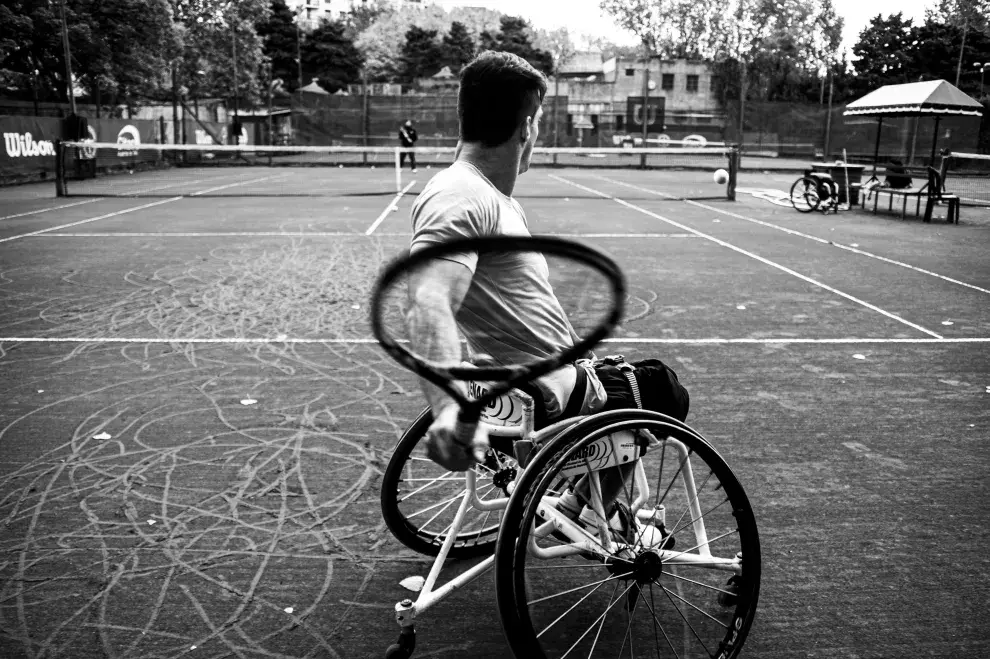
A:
(730, 598)
(404, 648)
(396, 651)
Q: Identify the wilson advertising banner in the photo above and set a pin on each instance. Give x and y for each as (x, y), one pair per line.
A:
(29, 142)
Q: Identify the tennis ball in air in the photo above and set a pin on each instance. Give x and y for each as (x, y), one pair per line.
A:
(721, 176)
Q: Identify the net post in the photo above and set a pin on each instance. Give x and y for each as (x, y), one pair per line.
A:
(733, 172)
(59, 168)
(398, 170)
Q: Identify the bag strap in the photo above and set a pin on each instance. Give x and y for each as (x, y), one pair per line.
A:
(628, 370)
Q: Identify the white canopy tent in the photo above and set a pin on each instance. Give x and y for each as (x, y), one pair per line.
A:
(934, 98)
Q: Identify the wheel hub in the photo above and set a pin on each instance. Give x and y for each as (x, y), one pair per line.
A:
(503, 477)
(647, 567)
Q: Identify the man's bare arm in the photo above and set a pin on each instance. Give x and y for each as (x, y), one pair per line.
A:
(436, 292)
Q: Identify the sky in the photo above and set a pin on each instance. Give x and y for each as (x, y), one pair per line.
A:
(584, 16)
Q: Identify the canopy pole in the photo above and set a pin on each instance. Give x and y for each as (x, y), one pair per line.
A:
(931, 161)
(876, 149)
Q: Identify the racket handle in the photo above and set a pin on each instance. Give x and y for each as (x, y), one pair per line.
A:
(465, 432)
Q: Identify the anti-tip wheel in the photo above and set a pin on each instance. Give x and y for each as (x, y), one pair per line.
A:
(396, 651)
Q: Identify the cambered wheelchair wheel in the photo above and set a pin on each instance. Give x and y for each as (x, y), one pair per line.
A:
(420, 498)
(682, 580)
(804, 194)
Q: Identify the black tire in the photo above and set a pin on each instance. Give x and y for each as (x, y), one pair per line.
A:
(804, 194)
(570, 605)
(420, 498)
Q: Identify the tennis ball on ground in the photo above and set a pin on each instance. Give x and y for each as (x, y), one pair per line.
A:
(721, 176)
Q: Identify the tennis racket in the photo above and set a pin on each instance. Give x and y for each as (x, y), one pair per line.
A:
(591, 282)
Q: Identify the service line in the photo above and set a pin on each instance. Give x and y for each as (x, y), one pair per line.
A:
(717, 341)
(751, 255)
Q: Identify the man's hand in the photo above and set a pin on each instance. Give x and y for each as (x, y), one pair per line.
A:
(444, 447)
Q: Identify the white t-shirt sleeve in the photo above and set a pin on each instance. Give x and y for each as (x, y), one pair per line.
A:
(457, 208)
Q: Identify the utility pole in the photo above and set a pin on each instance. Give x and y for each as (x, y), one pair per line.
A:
(271, 89)
(68, 62)
(236, 124)
(962, 49)
(299, 49)
(646, 96)
(742, 106)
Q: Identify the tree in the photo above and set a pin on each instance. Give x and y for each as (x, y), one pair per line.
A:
(968, 15)
(609, 48)
(280, 43)
(381, 49)
(118, 46)
(514, 37)
(457, 46)
(363, 16)
(883, 53)
(331, 57)
(558, 43)
(775, 47)
(487, 41)
(208, 31)
(673, 28)
(30, 42)
(422, 55)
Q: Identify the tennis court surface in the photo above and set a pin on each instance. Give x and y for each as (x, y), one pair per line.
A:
(195, 418)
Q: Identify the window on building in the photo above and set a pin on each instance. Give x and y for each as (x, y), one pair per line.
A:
(594, 124)
(630, 73)
(667, 82)
(570, 124)
(620, 122)
(692, 83)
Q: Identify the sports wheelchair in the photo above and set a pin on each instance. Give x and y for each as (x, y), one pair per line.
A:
(664, 558)
(815, 191)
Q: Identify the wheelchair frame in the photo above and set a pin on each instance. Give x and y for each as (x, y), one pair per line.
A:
(526, 442)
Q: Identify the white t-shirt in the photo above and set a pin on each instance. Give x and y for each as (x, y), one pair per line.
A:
(510, 311)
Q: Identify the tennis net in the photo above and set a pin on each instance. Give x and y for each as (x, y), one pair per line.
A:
(967, 175)
(137, 170)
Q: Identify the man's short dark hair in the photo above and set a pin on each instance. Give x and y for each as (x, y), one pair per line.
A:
(498, 90)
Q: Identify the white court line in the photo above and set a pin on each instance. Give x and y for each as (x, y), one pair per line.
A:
(636, 341)
(753, 256)
(218, 234)
(45, 210)
(388, 209)
(136, 208)
(323, 234)
(92, 219)
(802, 235)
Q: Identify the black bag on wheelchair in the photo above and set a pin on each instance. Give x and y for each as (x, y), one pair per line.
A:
(648, 384)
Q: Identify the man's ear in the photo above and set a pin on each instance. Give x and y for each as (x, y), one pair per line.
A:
(524, 130)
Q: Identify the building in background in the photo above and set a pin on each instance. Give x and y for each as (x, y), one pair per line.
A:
(605, 99)
(311, 12)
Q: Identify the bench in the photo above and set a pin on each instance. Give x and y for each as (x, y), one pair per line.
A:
(933, 191)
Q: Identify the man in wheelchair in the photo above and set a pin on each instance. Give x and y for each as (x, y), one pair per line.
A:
(505, 306)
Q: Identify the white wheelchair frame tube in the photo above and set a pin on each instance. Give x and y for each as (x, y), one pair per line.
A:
(582, 541)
